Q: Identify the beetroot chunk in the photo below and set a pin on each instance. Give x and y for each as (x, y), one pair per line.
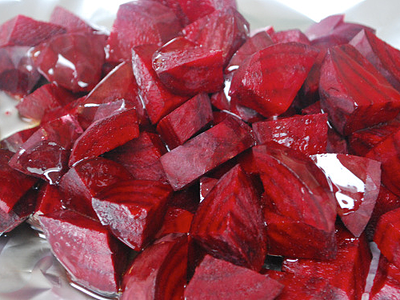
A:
(206, 151)
(70, 21)
(14, 141)
(217, 279)
(386, 282)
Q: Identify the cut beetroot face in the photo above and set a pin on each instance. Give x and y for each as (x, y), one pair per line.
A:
(188, 69)
(15, 141)
(176, 220)
(190, 161)
(291, 35)
(300, 210)
(185, 121)
(159, 272)
(73, 238)
(74, 60)
(153, 23)
(158, 100)
(86, 179)
(307, 134)
(206, 185)
(386, 282)
(133, 210)
(70, 21)
(262, 82)
(353, 93)
(104, 135)
(219, 279)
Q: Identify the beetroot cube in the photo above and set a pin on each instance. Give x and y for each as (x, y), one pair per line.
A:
(324, 27)
(185, 121)
(133, 210)
(245, 113)
(190, 161)
(386, 282)
(14, 141)
(353, 93)
(74, 238)
(176, 220)
(292, 35)
(307, 134)
(206, 185)
(70, 21)
(217, 279)
(140, 23)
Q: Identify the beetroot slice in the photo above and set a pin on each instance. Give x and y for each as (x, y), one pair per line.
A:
(133, 210)
(386, 282)
(190, 161)
(159, 272)
(73, 238)
(219, 279)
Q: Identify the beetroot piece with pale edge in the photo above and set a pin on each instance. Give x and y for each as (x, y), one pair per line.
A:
(386, 281)
(14, 141)
(185, 121)
(190, 161)
(87, 250)
(133, 210)
(216, 279)
(70, 21)
(291, 35)
(159, 272)
(269, 80)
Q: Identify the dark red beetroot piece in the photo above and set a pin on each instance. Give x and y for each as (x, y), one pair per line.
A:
(190, 161)
(300, 210)
(14, 141)
(159, 272)
(141, 157)
(105, 134)
(206, 185)
(73, 60)
(70, 21)
(140, 23)
(355, 181)
(187, 68)
(269, 80)
(353, 93)
(176, 220)
(133, 210)
(45, 154)
(74, 238)
(86, 179)
(229, 224)
(185, 121)
(158, 100)
(307, 134)
(386, 282)
(218, 279)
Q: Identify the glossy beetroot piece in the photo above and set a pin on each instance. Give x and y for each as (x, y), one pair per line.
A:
(386, 282)
(269, 81)
(190, 161)
(70, 21)
(176, 220)
(229, 224)
(185, 121)
(159, 272)
(133, 210)
(206, 185)
(140, 23)
(307, 134)
(74, 238)
(353, 93)
(219, 279)
(14, 141)
(74, 60)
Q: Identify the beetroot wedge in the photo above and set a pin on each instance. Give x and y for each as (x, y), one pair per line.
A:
(291, 35)
(73, 238)
(14, 141)
(190, 161)
(133, 210)
(229, 222)
(386, 282)
(159, 272)
(176, 220)
(70, 21)
(217, 279)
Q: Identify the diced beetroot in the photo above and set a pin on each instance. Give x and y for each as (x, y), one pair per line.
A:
(190, 161)
(386, 282)
(74, 60)
(300, 210)
(104, 135)
(14, 141)
(324, 27)
(159, 272)
(246, 114)
(176, 220)
(86, 179)
(337, 143)
(206, 185)
(133, 210)
(158, 100)
(45, 154)
(74, 238)
(269, 80)
(307, 134)
(185, 121)
(140, 23)
(224, 30)
(188, 198)
(70, 21)
(291, 35)
(188, 69)
(353, 93)
(220, 100)
(24, 31)
(217, 279)
(141, 157)
(43, 99)
(355, 181)
(229, 222)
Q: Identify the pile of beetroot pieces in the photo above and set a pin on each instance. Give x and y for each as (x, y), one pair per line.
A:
(180, 156)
